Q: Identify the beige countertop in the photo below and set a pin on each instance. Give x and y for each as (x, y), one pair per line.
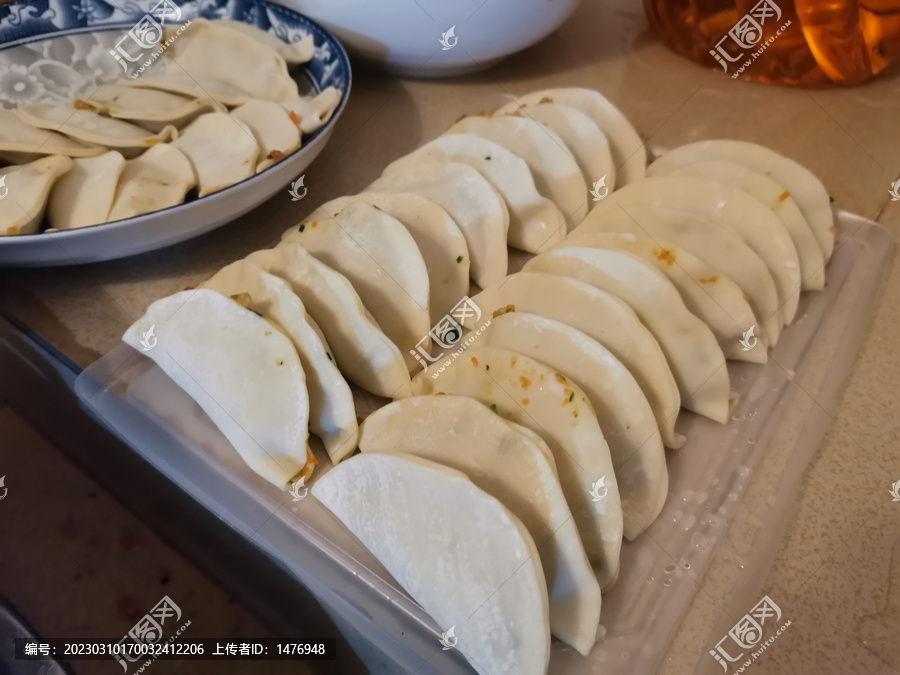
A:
(836, 573)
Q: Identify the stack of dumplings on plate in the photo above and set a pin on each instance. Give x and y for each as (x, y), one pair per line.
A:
(197, 119)
(536, 430)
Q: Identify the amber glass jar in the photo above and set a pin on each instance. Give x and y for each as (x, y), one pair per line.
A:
(800, 42)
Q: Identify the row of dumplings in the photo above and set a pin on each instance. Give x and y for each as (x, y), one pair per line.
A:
(549, 430)
(139, 146)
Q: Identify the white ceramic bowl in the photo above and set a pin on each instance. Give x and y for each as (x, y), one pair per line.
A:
(405, 36)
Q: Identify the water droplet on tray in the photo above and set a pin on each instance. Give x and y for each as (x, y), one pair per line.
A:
(699, 541)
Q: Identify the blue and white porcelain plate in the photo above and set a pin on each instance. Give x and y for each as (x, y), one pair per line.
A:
(52, 51)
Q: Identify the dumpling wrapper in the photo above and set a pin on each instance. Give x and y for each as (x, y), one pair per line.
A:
(628, 153)
(690, 347)
(222, 150)
(686, 198)
(623, 412)
(213, 50)
(85, 194)
(332, 415)
(478, 209)
(293, 53)
(777, 199)
(437, 236)
(602, 317)
(712, 296)
(156, 180)
(170, 78)
(556, 173)
(27, 191)
(582, 136)
(485, 581)
(313, 112)
(276, 135)
(535, 223)
(147, 108)
(380, 258)
(800, 182)
(90, 127)
(529, 393)
(22, 143)
(244, 375)
(365, 355)
(465, 435)
(716, 246)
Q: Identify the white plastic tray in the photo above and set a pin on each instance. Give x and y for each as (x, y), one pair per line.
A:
(660, 571)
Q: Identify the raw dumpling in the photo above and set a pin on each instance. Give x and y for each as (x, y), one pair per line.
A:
(533, 395)
(465, 435)
(332, 416)
(555, 172)
(380, 258)
(27, 190)
(148, 108)
(163, 77)
(246, 376)
(622, 409)
(275, 133)
(437, 236)
(156, 180)
(364, 353)
(211, 50)
(582, 136)
(716, 246)
(626, 145)
(710, 295)
(777, 199)
(485, 581)
(690, 347)
(534, 221)
(688, 198)
(22, 143)
(310, 113)
(221, 149)
(293, 53)
(84, 196)
(602, 317)
(90, 127)
(471, 201)
(798, 181)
